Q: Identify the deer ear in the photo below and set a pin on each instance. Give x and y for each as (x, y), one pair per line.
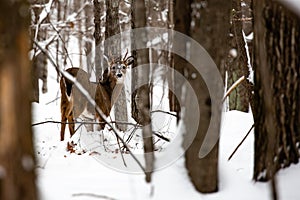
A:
(129, 60)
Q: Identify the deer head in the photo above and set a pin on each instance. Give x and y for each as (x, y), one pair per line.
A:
(118, 67)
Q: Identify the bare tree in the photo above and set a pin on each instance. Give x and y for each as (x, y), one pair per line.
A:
(99, 7)
(89, 42)
(17, 162)
(39, 66)
(141, 96)
(182, 21)
(113, 47)
(158, 15)
(276, 116)
(211, 31)
(76, 6)
(237, 62)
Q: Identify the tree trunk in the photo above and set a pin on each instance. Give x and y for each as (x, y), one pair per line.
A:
(17, 163)
(277, 88)
(237, 65)
(140, 96)
(98, 9)
(182, 21)
(77, 5)
(114, 48)
(39, 60)
(211, 31)
(88, 37)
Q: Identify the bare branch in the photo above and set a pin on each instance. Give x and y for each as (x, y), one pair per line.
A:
(82, 122)
(64, 44)
(161, 136)
(233, 87)
(241, 142)
(165, 112)
(93, 195)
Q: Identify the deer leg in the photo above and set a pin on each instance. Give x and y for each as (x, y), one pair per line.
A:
(71, 124)
(63, 126)
(101, 123)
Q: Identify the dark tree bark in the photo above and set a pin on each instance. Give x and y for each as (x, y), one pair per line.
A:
(277, 88)
(112, 27)
(17, 163)
(173, 101)
(211, 31)
(237, 65)
(157, 17)
(182, 21)
(39, 61)
(141, 96)
(88, 37)
(76, 6)
(99, 37)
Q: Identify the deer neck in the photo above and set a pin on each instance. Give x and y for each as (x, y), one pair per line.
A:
(112, 88)
(116, 92)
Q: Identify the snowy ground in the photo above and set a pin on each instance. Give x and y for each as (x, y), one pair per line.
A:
(65, 176)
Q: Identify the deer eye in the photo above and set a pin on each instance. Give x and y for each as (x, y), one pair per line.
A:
(124, 67)
(114, 67)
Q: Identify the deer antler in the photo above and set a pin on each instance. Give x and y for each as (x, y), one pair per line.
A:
(125, 54)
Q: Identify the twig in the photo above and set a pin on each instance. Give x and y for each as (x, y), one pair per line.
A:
(64, 44)
(132, 133)
(165, 112)
(241, 142)
(93, 195)
(76, 122)
(161, 136)
(91, 101)
(121, 152)
(52, 101)
(233, 87)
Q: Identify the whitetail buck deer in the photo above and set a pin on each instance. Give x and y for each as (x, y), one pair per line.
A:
(106, 91)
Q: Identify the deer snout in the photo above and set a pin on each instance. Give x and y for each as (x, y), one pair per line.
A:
(119, 75)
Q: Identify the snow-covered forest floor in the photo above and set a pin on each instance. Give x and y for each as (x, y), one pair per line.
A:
(65, 176)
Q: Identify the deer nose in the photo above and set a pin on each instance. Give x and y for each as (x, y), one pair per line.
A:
(119, 75)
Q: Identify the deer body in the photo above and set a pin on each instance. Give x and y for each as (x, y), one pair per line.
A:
(105, 92)
(73, 103)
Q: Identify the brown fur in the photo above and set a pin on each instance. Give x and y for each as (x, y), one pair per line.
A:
(73, 103)
(103, 95)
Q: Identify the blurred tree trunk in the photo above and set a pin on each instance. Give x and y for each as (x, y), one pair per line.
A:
(173, 101)
(99, 64)
(182, 21)
(157, 16)
(112, 27)
(65, 34)
(76, 7)
(277, 88)
(39, 60)
(141, 96)
(247, 14)
(17, 163)
(211, 31)
(57, 54)
(237, 65)
(88, 37)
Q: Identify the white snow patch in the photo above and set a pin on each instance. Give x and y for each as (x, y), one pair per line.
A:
(233, 53)
(251, 72)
